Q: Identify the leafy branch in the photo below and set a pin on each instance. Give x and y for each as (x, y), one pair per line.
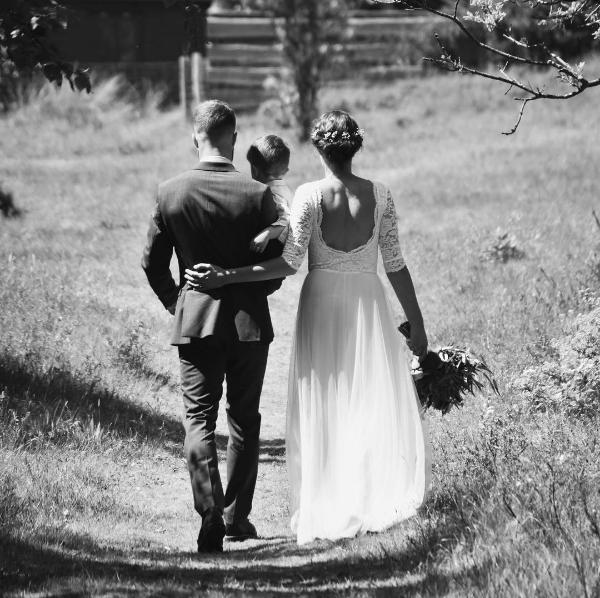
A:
(24, 29)
(491, 15)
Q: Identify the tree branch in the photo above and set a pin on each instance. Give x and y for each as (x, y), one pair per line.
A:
(572, 76)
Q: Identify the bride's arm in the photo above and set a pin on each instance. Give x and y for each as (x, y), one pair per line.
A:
(399, 276)
(208, 276)
(402, 284)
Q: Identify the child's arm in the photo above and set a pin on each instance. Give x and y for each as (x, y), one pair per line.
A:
(260, 242)
(277, 230)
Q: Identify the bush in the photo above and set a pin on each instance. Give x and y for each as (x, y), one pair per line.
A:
(570, 381)
(7, 205)
(503, 249)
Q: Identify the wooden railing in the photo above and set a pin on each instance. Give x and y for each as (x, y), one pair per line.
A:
(244, 51)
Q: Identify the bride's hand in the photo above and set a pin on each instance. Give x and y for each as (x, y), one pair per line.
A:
(204, 277)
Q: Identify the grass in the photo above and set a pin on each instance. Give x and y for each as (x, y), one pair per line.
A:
(94, 493)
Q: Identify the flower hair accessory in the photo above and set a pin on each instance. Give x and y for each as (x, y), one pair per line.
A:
(334, 136)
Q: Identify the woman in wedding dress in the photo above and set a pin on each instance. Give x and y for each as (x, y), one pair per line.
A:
(355, 443)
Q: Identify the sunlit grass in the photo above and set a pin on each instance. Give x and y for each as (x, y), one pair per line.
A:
(94, 489)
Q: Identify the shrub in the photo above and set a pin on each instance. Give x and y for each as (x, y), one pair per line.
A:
(132, 351)
(7, 205)
(503, 249)
(571, 380)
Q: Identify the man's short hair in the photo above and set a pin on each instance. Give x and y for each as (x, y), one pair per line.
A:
(213, 118)
(268, 152)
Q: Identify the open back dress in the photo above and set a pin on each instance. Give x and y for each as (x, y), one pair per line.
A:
(355, 442)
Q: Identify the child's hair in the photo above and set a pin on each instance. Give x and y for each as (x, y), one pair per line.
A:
(268, 154)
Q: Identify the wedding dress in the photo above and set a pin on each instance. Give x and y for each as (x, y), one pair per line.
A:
(355, 442)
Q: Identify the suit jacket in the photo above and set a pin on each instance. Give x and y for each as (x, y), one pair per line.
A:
(210, 214)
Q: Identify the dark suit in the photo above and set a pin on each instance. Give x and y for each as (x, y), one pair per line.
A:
(211, 214)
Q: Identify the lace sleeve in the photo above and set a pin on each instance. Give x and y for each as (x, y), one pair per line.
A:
(389, 242)
(302, 218)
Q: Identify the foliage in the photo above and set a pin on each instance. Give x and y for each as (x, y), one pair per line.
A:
(447, 375)
(8, 209)
(280, 108)
(571, 38)
(24, 29)
(11, 86)
(506, 515)
(570, 380)
(312, 34)
(527, 30)
(503, 249)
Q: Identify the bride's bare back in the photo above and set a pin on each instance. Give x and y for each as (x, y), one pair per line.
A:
(348, 212)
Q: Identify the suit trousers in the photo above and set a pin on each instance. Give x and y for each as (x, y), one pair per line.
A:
(205, 364)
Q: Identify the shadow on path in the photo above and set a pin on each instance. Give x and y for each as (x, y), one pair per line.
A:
(274, 567)
(272, 450)
(60, 393)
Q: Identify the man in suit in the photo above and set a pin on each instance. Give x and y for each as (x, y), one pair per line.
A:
(211, 214)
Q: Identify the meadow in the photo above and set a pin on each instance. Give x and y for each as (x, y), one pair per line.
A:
(502, 243)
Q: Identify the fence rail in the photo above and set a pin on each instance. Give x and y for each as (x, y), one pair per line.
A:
(244, 50)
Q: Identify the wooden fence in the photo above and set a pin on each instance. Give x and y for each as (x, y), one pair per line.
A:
(244, 52)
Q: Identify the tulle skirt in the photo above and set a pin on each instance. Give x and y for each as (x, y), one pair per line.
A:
(356, 443)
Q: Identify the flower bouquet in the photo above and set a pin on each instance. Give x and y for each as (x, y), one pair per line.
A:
(445, 376)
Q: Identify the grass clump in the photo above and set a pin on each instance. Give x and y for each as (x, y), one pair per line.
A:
(503, 248)
(115, 117)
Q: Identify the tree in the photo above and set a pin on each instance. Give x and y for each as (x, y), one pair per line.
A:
(492, 26)
(24, 43)
(312, 33)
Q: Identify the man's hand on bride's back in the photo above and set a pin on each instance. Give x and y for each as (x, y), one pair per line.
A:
(204, 277)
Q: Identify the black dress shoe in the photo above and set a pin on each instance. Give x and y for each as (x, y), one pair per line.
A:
(210, 538)
(240, 530)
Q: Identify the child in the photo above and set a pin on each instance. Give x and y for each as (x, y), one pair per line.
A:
(269, 159)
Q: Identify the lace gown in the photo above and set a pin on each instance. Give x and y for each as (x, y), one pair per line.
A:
(355, 442)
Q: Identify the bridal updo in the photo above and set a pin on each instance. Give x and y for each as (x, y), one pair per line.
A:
(336, 136)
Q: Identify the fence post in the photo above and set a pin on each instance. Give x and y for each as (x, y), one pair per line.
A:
(195, 47)
(183, 86)
(198, 77)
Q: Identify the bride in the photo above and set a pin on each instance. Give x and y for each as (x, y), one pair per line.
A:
(355, 444)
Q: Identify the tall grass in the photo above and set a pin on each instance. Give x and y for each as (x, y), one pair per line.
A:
(92, 477)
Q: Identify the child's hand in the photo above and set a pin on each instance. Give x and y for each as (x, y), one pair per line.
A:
(260, 242)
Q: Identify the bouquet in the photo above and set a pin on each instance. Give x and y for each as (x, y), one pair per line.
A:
(445, 376)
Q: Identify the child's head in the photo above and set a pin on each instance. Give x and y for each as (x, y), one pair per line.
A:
(269, 158)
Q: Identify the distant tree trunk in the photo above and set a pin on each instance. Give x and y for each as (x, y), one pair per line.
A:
(301, 38)
(312, 31)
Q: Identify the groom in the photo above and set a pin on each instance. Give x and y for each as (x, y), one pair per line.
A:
(211, 214)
